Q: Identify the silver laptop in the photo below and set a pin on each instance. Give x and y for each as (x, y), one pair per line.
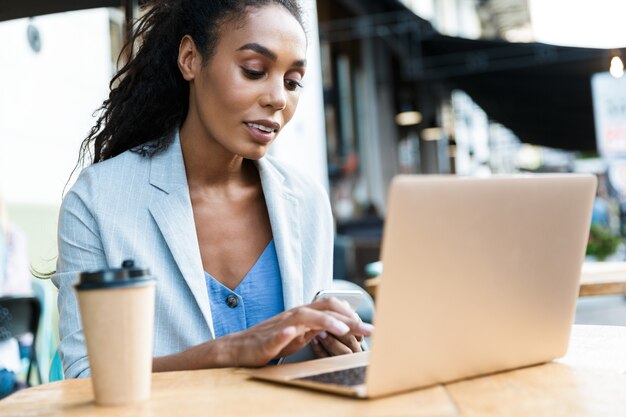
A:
(480, 276)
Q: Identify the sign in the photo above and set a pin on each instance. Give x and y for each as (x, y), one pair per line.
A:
(609, 109)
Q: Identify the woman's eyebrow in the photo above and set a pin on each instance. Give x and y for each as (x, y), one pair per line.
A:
(260, 49)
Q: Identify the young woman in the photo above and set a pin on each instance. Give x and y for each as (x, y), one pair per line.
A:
(237, 241)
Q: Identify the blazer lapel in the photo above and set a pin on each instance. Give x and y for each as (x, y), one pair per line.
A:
(283, 210)
(173, 215)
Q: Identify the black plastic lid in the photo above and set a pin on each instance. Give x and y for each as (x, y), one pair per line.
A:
(126, 276)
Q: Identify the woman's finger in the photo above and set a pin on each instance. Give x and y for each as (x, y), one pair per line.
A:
(342, 311)
(279, 340)
(308, 336)
(351, 342)
(329, 321)
(332, 345)
(318, 349)
(333, 304)
(298, 343)
(357, 327)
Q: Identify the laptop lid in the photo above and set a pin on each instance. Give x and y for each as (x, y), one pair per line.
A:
(480, 275)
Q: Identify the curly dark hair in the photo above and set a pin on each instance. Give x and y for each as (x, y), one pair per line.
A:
(149, 97)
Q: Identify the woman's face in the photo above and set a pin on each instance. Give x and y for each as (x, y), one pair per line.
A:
(249, 89)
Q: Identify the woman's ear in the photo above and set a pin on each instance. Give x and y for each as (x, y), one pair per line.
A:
(187, 58)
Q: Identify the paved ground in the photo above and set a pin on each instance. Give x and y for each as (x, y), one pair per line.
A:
(601, 310)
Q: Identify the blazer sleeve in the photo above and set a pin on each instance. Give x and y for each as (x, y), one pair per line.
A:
(80, 249)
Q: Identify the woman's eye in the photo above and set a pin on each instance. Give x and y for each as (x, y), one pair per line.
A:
(292, 85)
(252, 74)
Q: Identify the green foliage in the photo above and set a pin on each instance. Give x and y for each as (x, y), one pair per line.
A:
(602, 242)
(588, 155)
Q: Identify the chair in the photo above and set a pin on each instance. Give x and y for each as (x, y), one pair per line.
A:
(47, 336)
(20, 316)
(56, 369)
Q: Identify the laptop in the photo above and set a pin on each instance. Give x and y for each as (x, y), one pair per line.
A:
(480, 275)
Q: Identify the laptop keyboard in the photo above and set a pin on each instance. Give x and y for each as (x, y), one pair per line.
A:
(347, 377)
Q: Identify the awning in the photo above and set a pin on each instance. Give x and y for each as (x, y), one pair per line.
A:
(12, 9)
(541, 92)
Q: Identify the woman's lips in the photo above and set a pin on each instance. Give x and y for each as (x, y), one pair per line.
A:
(262, 130)
(264, 125)
(260, 133)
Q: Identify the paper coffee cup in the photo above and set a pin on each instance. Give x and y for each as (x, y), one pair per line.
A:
(117, 313)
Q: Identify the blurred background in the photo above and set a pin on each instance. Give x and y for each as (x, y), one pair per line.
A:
(462, 87)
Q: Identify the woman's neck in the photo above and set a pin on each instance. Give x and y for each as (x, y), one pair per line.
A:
(208, 164)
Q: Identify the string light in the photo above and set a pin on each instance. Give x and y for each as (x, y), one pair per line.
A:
(431, 133)
(617, 67)
(408, 118)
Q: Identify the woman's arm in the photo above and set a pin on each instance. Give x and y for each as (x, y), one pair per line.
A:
(211, 354)
(277, 337)
(80, 249)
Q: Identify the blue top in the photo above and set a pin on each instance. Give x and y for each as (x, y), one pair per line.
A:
(258, 296)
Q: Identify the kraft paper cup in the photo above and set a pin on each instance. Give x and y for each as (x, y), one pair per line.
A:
(117, 313)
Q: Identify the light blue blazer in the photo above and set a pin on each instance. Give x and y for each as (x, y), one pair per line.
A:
(135, 207)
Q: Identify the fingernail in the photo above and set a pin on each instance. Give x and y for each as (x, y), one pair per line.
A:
(366, 328)
(315, 341)
(339, 327)
(322, 335)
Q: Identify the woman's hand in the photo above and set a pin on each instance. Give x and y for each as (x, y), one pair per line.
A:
(292, 330)
(325, 345)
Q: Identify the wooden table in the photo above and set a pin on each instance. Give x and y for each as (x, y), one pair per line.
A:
(589, 381)
(603, 278)
(597, 278)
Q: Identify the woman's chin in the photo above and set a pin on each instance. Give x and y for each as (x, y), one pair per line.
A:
(255, 154)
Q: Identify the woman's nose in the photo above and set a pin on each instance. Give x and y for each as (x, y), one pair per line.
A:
(275, 96)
